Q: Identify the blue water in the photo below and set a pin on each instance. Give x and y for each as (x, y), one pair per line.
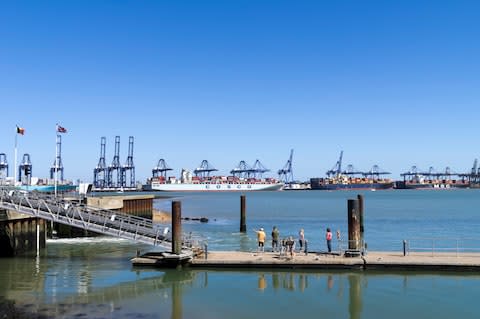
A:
(389, 216)
(93, 277)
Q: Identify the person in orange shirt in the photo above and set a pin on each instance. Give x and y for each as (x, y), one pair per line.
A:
(261, 236)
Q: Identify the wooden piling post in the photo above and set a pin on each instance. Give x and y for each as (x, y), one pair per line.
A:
(243, 223)
(353, 225)
(360, 211)
(176, 227)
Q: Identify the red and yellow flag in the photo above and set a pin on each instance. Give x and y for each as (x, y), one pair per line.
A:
(61, 129)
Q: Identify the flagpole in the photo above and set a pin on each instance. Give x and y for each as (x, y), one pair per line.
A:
(56, 161)
(15, 162)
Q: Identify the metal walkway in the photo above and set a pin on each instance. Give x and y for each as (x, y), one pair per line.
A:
(94, 219)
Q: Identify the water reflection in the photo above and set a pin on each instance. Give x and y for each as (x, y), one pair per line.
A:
(355, 289)
(262, 282)
(330, 282)
(151, 293)
(293, 281)
(177, 305)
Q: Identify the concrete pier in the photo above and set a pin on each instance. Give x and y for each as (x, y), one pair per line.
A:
(374, 261)
(137, 205)
(323, 261)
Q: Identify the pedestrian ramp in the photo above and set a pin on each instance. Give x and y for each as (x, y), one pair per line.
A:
(76, 214)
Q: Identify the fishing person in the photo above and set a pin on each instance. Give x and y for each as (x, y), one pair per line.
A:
(328, 237)
(275, 236)
(290, 246)
(261, 236)
(301, 239)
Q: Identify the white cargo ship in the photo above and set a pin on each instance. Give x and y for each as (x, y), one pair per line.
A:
(189, 183)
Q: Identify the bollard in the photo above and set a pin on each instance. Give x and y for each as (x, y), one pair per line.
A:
(353, 225)
(360, 212)
(364, 253)
(404, 248)
(206, 251)
(243, 223)
(306, 247)
(176, 227)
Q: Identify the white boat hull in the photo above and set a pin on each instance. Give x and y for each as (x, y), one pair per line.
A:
(223, 187)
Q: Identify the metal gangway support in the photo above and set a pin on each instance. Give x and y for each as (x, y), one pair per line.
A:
(94, 219)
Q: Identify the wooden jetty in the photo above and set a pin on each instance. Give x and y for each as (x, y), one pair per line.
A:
(325, 261)
(418, 261)
(355, 257)
(162, 259)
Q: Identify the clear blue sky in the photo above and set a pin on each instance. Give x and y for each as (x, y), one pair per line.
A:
(393, 83)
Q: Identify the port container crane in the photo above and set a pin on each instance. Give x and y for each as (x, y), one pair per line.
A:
(473, 176)
(258, 169)
(413, 173)
(475, 173)
(475, 167)
(375, 172)
(351, 171)
(100, 171)
(286, 173)
(115, 166)
(242, 170)
(25, 170)
(3, 166)
(161, 169)
(57, 165)
(337, 169)
(204, 170)
(128, 167)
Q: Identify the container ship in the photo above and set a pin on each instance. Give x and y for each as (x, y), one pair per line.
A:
(243, 179)
(418, 179)
(351, 179)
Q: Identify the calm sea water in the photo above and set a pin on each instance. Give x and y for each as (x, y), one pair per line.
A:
(93, 278)
(390, 216)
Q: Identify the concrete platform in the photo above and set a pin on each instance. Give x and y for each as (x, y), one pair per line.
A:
(323, 261)
(162, 259)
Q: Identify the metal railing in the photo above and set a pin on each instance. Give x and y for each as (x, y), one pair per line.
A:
(441, 245)
(94, 219)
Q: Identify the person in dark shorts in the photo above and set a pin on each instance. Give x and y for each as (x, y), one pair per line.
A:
(290, 246)
(301, 239)
(275, 236)
(328, 237)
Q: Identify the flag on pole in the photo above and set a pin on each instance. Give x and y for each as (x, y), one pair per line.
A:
(20, 130)
(61, 129)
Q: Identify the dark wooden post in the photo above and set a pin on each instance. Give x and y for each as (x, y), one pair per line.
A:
(353, 225)
(176, 227)
(360, 211)
(243, 223)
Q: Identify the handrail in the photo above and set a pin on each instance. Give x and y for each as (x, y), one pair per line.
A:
(441, 245)
(95, 219)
